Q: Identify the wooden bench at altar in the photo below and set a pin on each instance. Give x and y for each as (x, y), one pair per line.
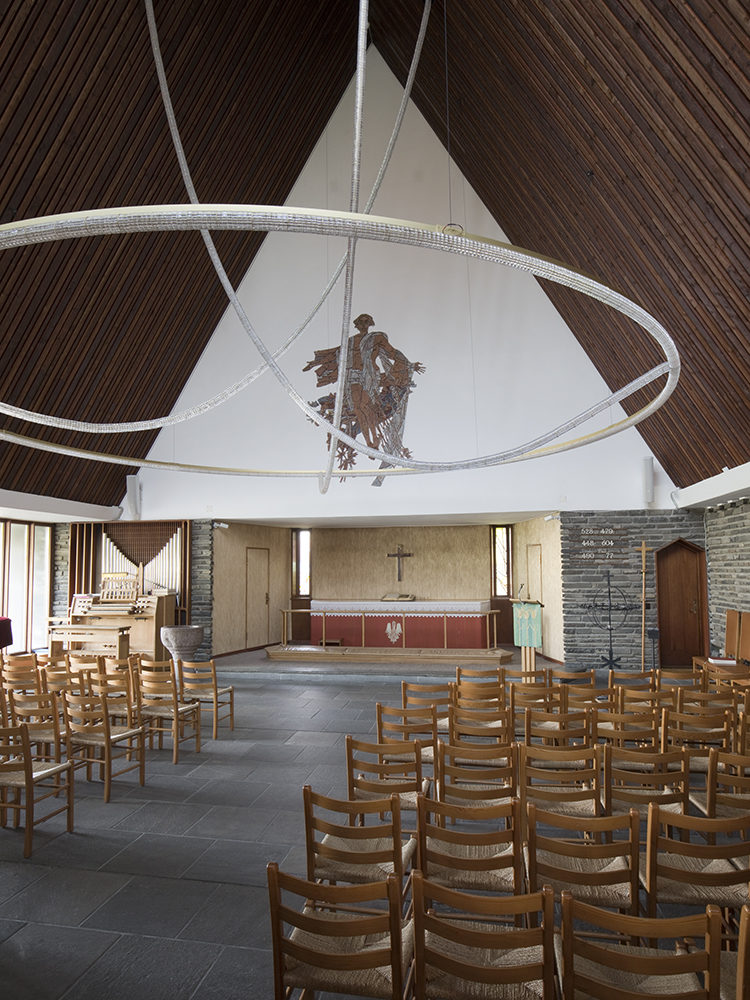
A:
(404, 624)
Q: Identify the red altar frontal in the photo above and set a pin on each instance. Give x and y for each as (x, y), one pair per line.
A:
(406, 624)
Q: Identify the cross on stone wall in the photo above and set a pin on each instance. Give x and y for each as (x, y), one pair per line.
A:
(400, 555)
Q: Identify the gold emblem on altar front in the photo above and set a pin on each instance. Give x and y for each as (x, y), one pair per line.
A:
(393, 631)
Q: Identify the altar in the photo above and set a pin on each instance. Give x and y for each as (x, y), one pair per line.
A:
(405, 624)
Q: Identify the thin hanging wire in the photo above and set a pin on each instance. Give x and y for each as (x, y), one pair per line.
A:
(451, 226)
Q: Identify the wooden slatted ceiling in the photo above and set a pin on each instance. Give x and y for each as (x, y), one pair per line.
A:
(110, 329)
(612, 134)
(615, 136)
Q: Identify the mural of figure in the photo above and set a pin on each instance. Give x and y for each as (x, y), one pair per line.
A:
(378, 384)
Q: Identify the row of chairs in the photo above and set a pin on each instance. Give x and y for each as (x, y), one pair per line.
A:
(59, 717)
(447, 941)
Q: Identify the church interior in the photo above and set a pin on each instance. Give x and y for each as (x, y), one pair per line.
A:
(355, 344)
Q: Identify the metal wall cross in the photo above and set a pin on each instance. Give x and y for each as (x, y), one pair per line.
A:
(400, 555)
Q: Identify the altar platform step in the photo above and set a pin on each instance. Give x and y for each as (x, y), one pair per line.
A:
(377, 654)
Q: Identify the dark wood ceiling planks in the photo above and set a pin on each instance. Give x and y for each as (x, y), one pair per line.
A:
(612, 135)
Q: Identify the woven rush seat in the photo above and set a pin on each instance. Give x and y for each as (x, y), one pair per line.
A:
(696, 893)
(474, 879)
(616, 895)
(548, 797)
(444, 984)
(407, 800)
(366, 982)
(624, 980)
(347, 870)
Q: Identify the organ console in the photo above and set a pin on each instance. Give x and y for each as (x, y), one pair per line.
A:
(116, 622)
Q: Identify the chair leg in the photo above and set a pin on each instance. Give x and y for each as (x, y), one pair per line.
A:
(70, 800)
(29, 829)
(216, 716)
(141, 741)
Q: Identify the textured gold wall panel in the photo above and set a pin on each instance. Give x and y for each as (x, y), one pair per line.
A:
(230, 545)
(448, 563)
(527, 536)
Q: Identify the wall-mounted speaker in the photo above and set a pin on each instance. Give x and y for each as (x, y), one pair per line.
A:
(648, 480)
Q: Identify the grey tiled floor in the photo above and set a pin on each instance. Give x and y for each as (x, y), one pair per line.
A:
(161, 893)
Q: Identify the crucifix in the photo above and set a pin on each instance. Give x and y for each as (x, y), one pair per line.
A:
(400, 555)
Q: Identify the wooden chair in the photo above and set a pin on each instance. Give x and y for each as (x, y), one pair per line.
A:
(474, 674)
(323, 941)
(596, 859)
(338, 850)
(162, 711)
(517, 675)
(577, 678)
(370, 774)
(399, 725)
(476, 848)
(561, 730)
(628, 730)
(579, 696)
(604, 969)
(632, 679)
(92, 739)
(635, 700)
(21, 674)
(417, 695)
(727, 791)
(484, 695)
(560, 781)
(198, 683)
(476, 776)
(693, 860)
(697, 732)
(42, 714)
(25, 782)
(735, 965)
(464, 948)
(479, 727)
(634, 778)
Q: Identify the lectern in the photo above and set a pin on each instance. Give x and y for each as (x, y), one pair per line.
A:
(527, 630)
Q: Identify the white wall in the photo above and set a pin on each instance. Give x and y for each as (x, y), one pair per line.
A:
(501, 364)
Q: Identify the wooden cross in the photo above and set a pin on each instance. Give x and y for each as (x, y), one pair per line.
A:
(400, 555)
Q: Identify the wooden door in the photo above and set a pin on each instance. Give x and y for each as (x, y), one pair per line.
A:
(257, 581)
(682, 604)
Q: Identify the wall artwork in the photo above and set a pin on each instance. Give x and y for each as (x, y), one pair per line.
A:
(376, 391)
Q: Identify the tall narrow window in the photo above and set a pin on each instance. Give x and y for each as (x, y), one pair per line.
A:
(300, 562)
(25, 574)
(500, 538)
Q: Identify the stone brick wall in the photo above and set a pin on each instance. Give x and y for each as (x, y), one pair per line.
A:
(60, 567)
(202, 583)
(728, 544)
(595, 542)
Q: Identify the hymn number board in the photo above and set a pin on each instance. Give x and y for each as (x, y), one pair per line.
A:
(599, 544)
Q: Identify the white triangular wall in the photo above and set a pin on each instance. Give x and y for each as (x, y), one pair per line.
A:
(501, 366)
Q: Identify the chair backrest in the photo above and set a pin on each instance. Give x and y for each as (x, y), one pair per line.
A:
(637, 700)
(629, 730)
(589, 696)
(318, 936)
(417, 695)
(560, 780)
(693, 858)
(196, 678)
(479, 694)
(468, 673)
(371, 771)
(732, 633)
(449, 953)
(595, 858)
(632, 679)
(517, 675)
(477, 848)
(157, 688)
(695, 699)
(602, 967)
(697, 732)
(20, 673)
(559, 675)
(634, 778)
(394, 725)
(85, 714)
(543, 696)
(40, 711)
(118, 688)
(727, 784)
(558, 729)
(476, 775)
(480, 726)
(339, 849)
(15, 753)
